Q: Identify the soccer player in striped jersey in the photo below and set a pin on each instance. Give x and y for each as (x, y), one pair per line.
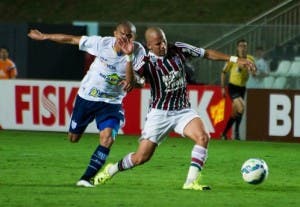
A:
(103, 88)
(236, 88)
(169, 108)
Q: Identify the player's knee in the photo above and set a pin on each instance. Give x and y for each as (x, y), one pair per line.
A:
(203, 139)
(106, 138)
(240, 110)
(106, 141)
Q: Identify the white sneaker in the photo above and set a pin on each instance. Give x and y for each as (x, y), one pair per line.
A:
(84, 183)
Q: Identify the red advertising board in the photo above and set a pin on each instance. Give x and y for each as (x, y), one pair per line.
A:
(206, 100)
(47, 106)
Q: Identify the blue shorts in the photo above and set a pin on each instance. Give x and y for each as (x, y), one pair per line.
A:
(106, 115)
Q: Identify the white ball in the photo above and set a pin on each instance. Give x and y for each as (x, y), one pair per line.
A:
(254, 171)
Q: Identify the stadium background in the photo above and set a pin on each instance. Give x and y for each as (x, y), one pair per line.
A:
(213, 24)
(40, 168)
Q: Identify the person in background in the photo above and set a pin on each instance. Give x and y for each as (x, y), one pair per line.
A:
(263, 69)
(236, 87)
(8, 69)
(103, 87)
(170, 109)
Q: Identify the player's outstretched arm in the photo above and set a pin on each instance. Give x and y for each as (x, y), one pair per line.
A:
(59, 38)
(215, 55)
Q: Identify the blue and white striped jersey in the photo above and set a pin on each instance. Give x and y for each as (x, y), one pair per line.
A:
(101, 83)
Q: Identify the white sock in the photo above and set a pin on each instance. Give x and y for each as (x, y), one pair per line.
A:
(199, 156)
(193, 173)
(113, 169)
(125, 163)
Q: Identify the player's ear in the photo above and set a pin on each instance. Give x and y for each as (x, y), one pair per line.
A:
(115, 33)
(149, 46)
(134, 36)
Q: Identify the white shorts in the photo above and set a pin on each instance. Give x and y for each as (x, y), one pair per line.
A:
(159, 123)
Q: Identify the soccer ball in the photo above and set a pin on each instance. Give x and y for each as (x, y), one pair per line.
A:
(254, 171)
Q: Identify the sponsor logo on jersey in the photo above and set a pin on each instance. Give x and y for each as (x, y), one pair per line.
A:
(112, 79)
(94, 92)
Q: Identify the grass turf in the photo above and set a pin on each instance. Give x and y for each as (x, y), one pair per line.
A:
(41, 168)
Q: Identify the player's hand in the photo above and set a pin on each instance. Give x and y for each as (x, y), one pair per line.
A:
(127, 85)
(126, 45)
(223, 92)
(247, 64)
(36, 35)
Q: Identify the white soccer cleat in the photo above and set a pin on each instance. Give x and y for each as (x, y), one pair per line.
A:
(84, 183)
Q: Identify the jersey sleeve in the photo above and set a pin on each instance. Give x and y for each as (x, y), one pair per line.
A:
(90, 44)
(12, 65)
(190, 50)
(227, 67)
(139, 54)
(251, 58)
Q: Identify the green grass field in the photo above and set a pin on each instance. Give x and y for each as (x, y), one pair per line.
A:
(41, 168)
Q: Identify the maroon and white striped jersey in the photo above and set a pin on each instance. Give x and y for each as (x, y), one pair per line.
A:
(167, 76)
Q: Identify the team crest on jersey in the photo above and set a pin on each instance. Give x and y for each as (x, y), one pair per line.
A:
(174, 81)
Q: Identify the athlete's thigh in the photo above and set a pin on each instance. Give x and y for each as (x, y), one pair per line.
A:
(182, 119)
(157, 126)
(82, 115)
(196, 130)
(238, 104)
(109, 116)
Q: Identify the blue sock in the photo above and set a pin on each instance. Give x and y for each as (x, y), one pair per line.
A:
(97, 161)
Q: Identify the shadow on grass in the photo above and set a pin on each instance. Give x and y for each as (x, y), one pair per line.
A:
(37, 185)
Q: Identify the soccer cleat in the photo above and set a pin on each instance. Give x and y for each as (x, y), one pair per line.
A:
(195, 186)
(103, 176)
(237, 136)
(84, 183)
(223, 137)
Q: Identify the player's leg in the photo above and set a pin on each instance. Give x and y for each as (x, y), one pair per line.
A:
(235, 93)
(99, 156)
(229, 123)
(196, 131)
(108, 123)
(239, 106)
(81, 117)
(143, 154)
(155, 129)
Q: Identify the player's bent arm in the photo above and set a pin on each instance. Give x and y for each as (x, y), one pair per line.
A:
(215, 55)
(59, 38)
(63, 38)
(129, 68)
(223, 77)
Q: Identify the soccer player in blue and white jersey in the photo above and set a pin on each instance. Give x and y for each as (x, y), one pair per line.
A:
(103, 88)
(170, 108)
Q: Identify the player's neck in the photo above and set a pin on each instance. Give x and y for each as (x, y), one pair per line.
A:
(118, 50)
